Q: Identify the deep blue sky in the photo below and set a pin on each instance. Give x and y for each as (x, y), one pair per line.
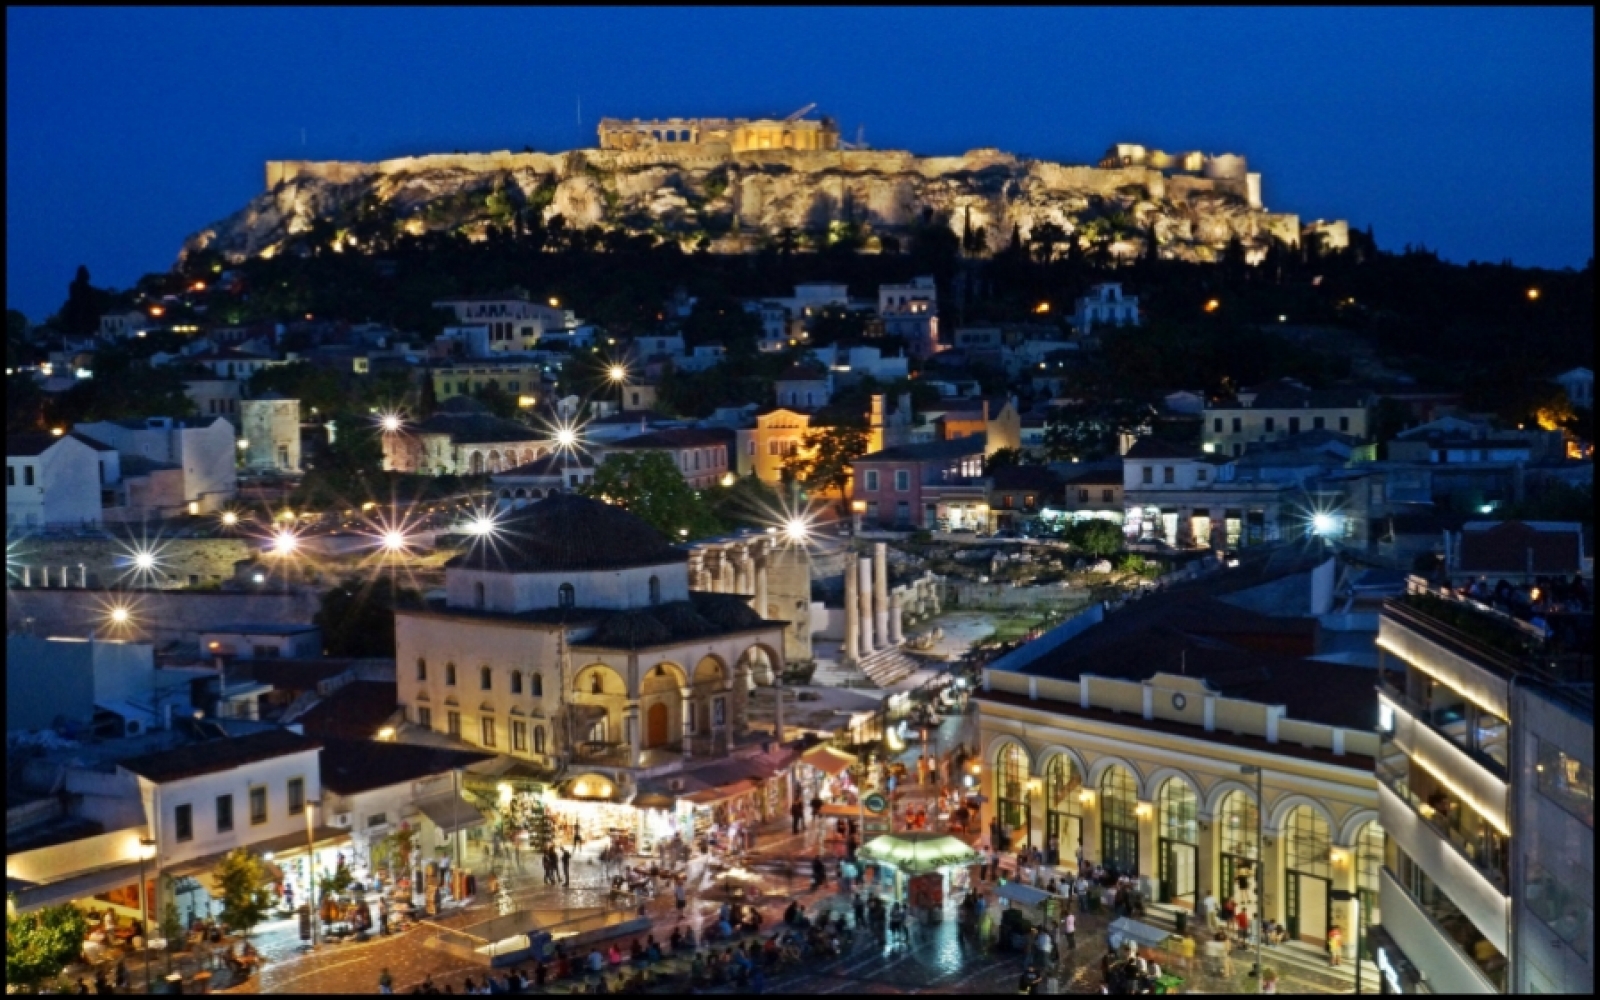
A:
(1468, 130)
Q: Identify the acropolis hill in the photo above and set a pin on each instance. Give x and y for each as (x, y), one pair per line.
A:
(731, 184)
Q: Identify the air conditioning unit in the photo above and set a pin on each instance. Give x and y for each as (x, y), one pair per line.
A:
(342, 819)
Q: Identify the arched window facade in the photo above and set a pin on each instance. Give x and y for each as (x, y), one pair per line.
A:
(516, 682)
(538, 737)
(1119, 819)
(1308, 897)
(1236, 839)
(536, 684)
(1369, 862)
(1063, 829)
(1178, 823)
(566, 596)
(655, 590)
(450, 674)
(596, 685)
(485, 679)
(422, 669)
(1011, 794)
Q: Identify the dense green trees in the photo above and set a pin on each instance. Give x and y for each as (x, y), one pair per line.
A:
(649, 485)
(241, 879)
(822, 465)
(41, 943)
(357, 616)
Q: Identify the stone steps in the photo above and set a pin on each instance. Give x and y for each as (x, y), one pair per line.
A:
(1292, 958)
(887, 667)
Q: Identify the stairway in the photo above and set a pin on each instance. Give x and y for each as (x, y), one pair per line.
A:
(1292, 959)
(887, 667)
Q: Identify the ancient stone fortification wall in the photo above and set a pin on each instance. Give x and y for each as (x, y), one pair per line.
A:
(159, 616)
(105, 562)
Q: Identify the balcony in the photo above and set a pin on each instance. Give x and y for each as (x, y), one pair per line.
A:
(1484, 848)
(1482, 736)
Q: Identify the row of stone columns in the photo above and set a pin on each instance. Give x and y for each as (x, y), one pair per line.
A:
(62, 580)
(871, 619)
(738, 569)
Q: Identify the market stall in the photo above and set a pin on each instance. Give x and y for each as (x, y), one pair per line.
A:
(903, 857)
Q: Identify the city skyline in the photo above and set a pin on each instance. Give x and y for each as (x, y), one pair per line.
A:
(122, 144)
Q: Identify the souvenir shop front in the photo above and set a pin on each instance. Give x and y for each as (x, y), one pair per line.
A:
(824, 772)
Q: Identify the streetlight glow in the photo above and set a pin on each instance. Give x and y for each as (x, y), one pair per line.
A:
(566, 437)
(284, 543)
(394, 541)
(391, 423)
(618, 373)
(120, 616)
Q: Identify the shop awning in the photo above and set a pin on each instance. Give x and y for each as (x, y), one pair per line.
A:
(828, 760)
(1025, 895)
(918, 851)
(288, 845)
(653, 800)
(711, 796)
(1127, 928)
(451, 813)
(26, 897)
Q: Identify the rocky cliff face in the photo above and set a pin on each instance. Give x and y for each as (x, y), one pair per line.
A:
(737, 203)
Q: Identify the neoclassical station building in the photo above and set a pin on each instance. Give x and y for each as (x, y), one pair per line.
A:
(1133, 733)
(570, 638)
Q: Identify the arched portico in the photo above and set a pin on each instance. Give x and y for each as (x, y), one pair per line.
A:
(600, 701)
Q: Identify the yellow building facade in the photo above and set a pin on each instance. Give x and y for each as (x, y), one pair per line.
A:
(1150, 777)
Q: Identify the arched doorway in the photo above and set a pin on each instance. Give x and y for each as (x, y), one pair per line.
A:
(1119, 820)
(708, 697)
(655, 725)
(1241, 863)
(1063, 826)
(1178, 823)
(1012, 814)
(599, 696)
(1307, 896)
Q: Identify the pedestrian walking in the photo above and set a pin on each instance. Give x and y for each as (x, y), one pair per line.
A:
(1043, 949)
(819, 873)
(679, 897)
(816, 808)
(1208, 910)
(1069, 931)
(797, 816)
(1335, 945)
(566, 867)
(385, 981)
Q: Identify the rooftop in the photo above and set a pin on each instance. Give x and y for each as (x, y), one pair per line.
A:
(30, 444)
(355, 711)
(219, 754)
(357, 765)
(677, 437)
(932, 451)
(569, 532)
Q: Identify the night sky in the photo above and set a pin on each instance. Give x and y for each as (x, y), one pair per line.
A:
(1470, 131)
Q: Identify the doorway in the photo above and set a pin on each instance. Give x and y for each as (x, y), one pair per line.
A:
(655, 725)
(1179, 871)
(1309, 907)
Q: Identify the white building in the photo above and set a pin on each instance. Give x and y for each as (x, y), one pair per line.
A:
(910, 312)
(1578, 385)
(51, 482)
(121, 326)
(271, 429)
(204, 449)
(858, 362)
(778, 329)
(515, 324)
(1105, 305)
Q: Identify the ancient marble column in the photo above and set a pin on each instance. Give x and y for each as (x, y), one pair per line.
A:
(896, 627)
(869, 640)
(880, 593)
(761, 584)
(852, 620)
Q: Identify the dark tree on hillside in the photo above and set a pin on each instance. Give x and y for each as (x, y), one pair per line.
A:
(85, 303)
(357, 616)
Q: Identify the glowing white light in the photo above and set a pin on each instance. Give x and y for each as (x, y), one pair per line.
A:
(144, 560)
(797, 530)
(284, 543)
(1324, 524)
(394, 541)
(566, 437)
(120, 615)
(618, 373)
(229, 518)
(481, 525)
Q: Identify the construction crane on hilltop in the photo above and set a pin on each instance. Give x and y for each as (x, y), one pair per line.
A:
(861, 139)
(802, 112)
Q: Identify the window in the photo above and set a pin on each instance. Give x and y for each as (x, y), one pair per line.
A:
(424, 716)
(1028, 501)
(516, 682)
(902, 513)
(872, 481)
(1201, 473)
(27, 475)
(422, 669)
(1216, 425)
(655, 590)
(1294, 425)
(1344, 423)
(183, 823)
(478, 596)
(1168, 475)
(519, 736)
(1148, 475)
(377, 819)
(1272, 424)
(1318, 423)
(1567, 781)
(1007, 501)
(11, 475)
(902, 480)
(452, 723)
(450, 675)
(297, 796)
(1238, 424)
(258, 805)
(1011, 790)
(566, 596)
(485, 679)
(486, 730)
(719, 711)
(536, 684)
(1107, 495)
(1083, 496)
(224, 813)
(538, 739)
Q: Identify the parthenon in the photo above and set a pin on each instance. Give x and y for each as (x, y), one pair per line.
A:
(719, 135)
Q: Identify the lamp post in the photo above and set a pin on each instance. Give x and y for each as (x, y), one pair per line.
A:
(147, 851)
(311, 867)
(1261, 864)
